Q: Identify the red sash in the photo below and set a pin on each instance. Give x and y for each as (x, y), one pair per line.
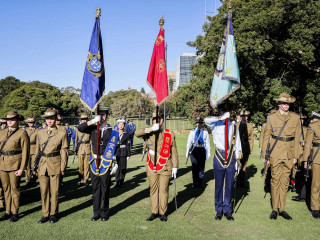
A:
(164, 153)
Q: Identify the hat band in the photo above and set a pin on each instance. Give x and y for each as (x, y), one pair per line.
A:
(283, 99)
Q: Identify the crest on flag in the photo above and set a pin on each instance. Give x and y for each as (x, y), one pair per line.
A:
(94, 65)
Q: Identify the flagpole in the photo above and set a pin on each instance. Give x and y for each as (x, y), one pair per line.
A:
(227, 103)
(165, 102)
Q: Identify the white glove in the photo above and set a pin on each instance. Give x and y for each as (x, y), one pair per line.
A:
(96, 119)
(174, 172)
(155, 127)
(114, 168)
(187, 154)
(128, 158)
(225, 116)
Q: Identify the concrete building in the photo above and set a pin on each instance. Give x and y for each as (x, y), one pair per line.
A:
(183, 73)
(172, 77)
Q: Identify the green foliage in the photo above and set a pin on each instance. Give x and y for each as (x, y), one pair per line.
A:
(278, 51)
(35, 97)
(143, 91)
(7, 85)
(128, 103)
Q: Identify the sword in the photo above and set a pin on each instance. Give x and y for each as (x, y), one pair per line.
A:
(175, 193)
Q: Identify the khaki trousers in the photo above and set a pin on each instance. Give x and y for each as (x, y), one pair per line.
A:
(280, 172)
(28, 171)
(315, 187)
(83, 167)
(159, 188)
(49, 186)
(11, 188)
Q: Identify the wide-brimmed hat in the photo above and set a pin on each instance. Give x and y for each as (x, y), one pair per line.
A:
(50, 113)
(315, 115)
(244, 113)
(12, 115)
(59, 118)
(199, 120)
(30, 119)
(285, 97)
(2, 121)
(84, 116)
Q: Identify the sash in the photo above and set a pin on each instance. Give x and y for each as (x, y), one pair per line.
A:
(198, 137)
(107, 157)
(164, 153)
(230, 151)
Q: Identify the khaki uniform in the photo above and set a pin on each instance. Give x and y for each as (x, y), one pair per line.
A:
(295, 168)
(313, 137)
(14, 156)
(159, 181)
(262, 135)
(32, 134)
(281, 159)
(83, 155)
(52, 163)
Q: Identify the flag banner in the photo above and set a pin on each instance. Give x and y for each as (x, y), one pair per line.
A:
(226, 78)
(93, 84)
(157, 75)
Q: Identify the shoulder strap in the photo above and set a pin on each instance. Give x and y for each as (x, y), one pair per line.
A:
(5, 141)
(281, 130)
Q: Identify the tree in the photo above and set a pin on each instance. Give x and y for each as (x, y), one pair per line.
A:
(278, 51)
(143, 91)
(7, 85)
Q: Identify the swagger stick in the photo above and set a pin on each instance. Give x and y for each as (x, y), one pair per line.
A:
(156, 141)
(98, 142)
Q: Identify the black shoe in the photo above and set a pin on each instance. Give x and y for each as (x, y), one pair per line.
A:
(95, 218)
(285, 215)
(316, 214)
(298, 199)
(86, 184)
(5, 217)
(152, 217)
(219, 216)
(105, 218)
(53, 219)
(229, 216)
(14, 218)
(163, 218)
(43, 220)
(273, 215)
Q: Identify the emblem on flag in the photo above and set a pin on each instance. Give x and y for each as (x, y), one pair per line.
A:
(94, 64)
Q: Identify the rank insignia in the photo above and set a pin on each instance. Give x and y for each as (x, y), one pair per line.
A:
(95, 65)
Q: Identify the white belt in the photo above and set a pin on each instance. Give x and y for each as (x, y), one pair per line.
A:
(95, 156)
(122, 146)
(151, 152)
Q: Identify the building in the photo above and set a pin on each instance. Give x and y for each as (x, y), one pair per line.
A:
(172, 77)
(183, 73)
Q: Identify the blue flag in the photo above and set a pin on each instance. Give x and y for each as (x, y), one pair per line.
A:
(93, 84)
(226, 78)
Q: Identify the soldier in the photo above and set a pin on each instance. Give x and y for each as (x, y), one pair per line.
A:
(59, 121)
(282, 135)
(100, 177)
(199, 146)
(14, 155)
(122, 153)
(166, 166)
(69, 133)
(3, 123)
(224, 169)
(313, 142)
(32, 134)
(132, 126)
(297, 167)
(52, 142)
(44, 125)
(247, 140)
(83, 150)
(303, 194)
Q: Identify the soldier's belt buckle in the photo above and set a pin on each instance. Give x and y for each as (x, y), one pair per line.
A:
(101, 142)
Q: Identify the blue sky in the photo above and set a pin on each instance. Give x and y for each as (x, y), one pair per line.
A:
(48, 40)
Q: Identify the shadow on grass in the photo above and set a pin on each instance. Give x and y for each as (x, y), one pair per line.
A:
(189, 192)
(136, 149)
(242, 192)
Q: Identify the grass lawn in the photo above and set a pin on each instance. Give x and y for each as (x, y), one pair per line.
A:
(130, 206)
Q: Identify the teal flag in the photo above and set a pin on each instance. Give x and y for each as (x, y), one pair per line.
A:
(226, 78)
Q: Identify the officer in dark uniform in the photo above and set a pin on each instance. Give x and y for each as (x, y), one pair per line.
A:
(122, 153)
(101, 178)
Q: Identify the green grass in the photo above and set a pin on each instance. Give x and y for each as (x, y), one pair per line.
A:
(130, 206)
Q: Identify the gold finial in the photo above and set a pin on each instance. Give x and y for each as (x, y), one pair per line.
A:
(98, 12)
(230, 4)
(161, 22)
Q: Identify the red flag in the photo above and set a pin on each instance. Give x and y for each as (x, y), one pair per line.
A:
(157, 75)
